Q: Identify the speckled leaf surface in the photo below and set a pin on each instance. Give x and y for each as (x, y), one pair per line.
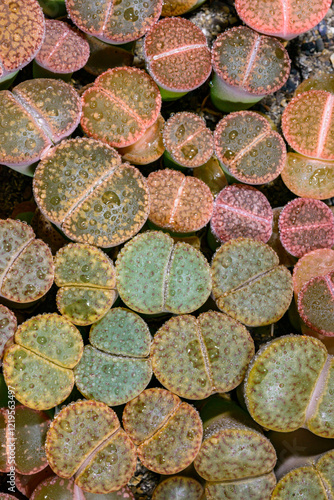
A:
(256, 488)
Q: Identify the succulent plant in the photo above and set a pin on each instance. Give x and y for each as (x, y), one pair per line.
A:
(35, 115)
(82, 187)
(177, 56)
(86, 439)
(274, 242)
(5, 496)
(179, 203)
(178, 7)
(313, 264)
(166, 431)
(212, 174)
(178, 488)
(27, 484)
(247, 66)
(39, 365)
(154, 275)
(322, 81)
(248, 149)
(8, 325)
(26, 265)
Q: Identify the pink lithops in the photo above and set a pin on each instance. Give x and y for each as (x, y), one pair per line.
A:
(35, 115)
(177, 56)
(187, 140)
(8, 325)
(121, 105)
(313, 264)
(282, 18)
(241, 211)
(113, 21)
(177, 202)
(308, 124)
(306, 225)
(247, 66)
(63, 50)
(21, 35)
(166, 431)
(248, 148)
(26, 264)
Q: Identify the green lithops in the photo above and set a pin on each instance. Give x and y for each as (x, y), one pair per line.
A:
(87, 280)
(26, 265)
(115, 368)
(8, 325)
(83, 188)
(179, 488)
(196, 357)
(38, 367)
(249, 284)
(167, 431)
(85, 439)
(290, 383)
(154, 275)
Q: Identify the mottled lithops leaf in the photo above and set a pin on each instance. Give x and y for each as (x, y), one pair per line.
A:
(241, 211)
(320, 81)
(8, 325)
(120, 106)
(27, 484)
(305, 482)
(167, 432)
(82, 187)
(26, 264)
(85, 438)
(56, 488)
(154, 275)
(308, 124)
(325, 466)
(22, 32)
(306, 225)
(320, 417)
(281, 379)
(195, 357)
(177, 55)
(249, 284)
(39, 366)
(179, 203)
(316, 263)
(178, 488)
(248, 148)
(113, 21)
(255, 488)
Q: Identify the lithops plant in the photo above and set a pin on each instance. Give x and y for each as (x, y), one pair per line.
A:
(112, 21)
(85, 439)
(313, 264)
(286, 19)
(248, 149)
(179, 488)
(247, 66)
(180, 203)
(63, 51)
(27, 484)
(21, 36)
(320, 81)
(235, 458)
(87, 280)
(115, 368)
(177, 56)
(6, 496)
(84, 189)
(212, 174)
(241, 211)
(248, 283)
(38, 367)
(8, 325)
(155, 276)
(305, 225)
(274, 242)
(178, 7)
(196, 357)
(188, 141)
(35, 115)
(166, 431)
(26, 264)
(289, 384)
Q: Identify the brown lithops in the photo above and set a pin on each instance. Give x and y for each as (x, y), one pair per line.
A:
(84, 189)
(180, 203)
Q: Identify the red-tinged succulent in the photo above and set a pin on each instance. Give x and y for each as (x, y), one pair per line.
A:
(313, 264)
(305, 225)
(26, 264)
(176, 487)
(188, 141)
(247, 66)
(86, 440)
(178, 7)
(27, 484)
(63, 51)
(179, 203)
(274, 242)
(121, 105)
(212, 174)
(104, 56)
(113, 21)
(283, 19)
(35, 115)
(166, 431)
(248, 149)
(8, 325)
(241, 211)
(84, 189)
(177, 56)
(323, 81)
(308, 124)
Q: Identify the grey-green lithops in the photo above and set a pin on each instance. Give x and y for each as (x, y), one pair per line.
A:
(8, 325)
(179, 488)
